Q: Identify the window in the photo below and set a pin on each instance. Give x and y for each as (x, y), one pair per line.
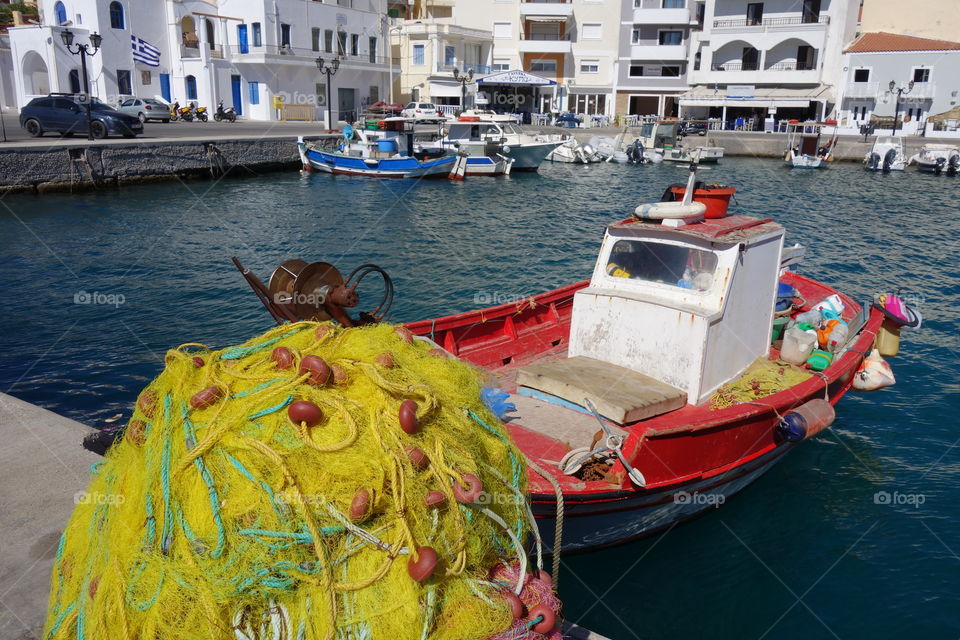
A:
(191, 85)
(254, 92)
(124, 85)
(145, 78)
(373, 49)
(662, 263)
(588, 103)
(502, 30)
(589, 66)
(636, 69)
(208, 24)
(861, 75)
(328, 41)
(449, 55)
(374, 93)
(591, 31)
(74, 77)
(674, 4)
(636, 36)
(500, 64)
(671, 37)
(285, 35)
(544, 66)
(671, 71)
(59, 13)
(754, 13)
(257, 35)
(921, 75)
(418, 57)
(116, 15)
(321, 94)
(341, 43)
(806, 58)
(811, 11)
(354, 44)
(697, 59)
(315, 38)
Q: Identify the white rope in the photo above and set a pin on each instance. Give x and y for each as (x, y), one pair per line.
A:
(558, 525)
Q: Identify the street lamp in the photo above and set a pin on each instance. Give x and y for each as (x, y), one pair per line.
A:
(329, 68)
(464, 80)
(900, 91)
(83, 50)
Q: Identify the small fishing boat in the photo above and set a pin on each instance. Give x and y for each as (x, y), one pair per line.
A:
(386, 153)
(664, 137)
(937, 159)
(886, 155)
(527, 151)
(631, 427)
(572, 152)
(804, 148)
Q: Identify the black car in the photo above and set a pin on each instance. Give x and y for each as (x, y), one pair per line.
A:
(693, 127)
(66, 113)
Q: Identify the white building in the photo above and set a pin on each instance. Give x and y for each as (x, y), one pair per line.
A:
(927, 70)
(778, 59)
(251, 54)
(653, 54)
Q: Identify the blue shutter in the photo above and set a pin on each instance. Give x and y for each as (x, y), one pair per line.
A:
(242, 38)
(254, 92)
(165, 86)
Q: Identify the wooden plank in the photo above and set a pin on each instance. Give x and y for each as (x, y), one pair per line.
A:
(568, 426)
(618, 393)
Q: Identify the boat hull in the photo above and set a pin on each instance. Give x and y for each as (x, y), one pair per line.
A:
(708, 155)
(805, 162)
(487, 166)
(529, 156)
(404, 167)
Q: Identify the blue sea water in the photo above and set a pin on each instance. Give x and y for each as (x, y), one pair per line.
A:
(856, 534)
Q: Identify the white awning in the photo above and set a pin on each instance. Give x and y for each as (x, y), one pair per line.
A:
(544, 19)
(735, 96)
(444, 90)
(516, 76)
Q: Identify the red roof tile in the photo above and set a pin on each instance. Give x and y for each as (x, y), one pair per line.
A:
(880, 41)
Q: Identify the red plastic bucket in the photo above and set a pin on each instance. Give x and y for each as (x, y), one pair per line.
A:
(716, 200)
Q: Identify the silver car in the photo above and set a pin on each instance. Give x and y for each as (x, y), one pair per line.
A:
(145, 109)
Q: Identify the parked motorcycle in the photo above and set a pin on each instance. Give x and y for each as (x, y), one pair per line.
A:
(175, 112)
(224, 114)
(186, 113)
(201, 114)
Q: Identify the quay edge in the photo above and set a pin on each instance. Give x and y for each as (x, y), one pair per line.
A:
(43, 468)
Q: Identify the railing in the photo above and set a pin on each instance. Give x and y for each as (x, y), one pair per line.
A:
(546, 2)
(770, 22)
(478, 69)
(303, 52)
(780, 66)
(791, 66)
(549, 37)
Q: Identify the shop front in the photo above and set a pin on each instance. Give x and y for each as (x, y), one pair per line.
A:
(515, 91)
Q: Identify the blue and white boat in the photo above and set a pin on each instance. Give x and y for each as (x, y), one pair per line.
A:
(387, 153)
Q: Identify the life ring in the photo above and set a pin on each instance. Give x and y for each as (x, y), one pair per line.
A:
(347, 132)
(669, 210)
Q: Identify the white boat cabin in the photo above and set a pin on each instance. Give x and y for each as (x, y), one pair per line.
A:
(672, 312)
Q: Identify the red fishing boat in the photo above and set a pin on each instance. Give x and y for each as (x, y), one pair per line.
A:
(614, 378)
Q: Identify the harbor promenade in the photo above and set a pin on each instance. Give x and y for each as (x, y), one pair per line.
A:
(43, 472)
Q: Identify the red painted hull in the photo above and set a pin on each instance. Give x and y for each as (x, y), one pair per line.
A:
(694, 450)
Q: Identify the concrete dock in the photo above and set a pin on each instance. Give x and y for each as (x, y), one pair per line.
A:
(42, 469)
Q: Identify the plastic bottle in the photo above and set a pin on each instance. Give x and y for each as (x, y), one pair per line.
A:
(797, 346)
(810, 317)
(838, 338)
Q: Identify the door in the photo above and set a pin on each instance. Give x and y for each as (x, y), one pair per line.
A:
(237, 95)
(754, 13)
(750, 60)
(74, 81)
(346, 103)
(805, 58)
(811, 11)
(165, 86)
(242, 38)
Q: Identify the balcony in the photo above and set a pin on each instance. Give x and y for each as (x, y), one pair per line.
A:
(786, 73)
(545, 43)
(661, 16)
(769, 23)
(556, 9)
(478, 69)
(862, 90)
(658, 52)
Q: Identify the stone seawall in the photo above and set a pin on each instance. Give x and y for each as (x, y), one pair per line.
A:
(87, 166)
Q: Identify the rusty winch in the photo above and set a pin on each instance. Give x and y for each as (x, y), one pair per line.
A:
(300, 290)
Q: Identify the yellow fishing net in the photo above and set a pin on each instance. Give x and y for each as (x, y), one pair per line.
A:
(764, 377)
(216, 516)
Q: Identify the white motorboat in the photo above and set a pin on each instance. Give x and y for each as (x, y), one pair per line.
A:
(886, 155)
(937, 159)
(527, 151)
(804, 148)
(572, 152)
(664, 138)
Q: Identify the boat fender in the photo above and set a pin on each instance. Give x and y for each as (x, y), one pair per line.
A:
(348, 132)
(506, 149)
(669, 210)
(548, 618)
(874, 373)
(805, 421)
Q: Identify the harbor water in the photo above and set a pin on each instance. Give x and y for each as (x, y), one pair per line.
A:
(855, 534)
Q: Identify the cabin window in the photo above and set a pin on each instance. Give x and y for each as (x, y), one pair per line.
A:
(861, 75)
(668, 264)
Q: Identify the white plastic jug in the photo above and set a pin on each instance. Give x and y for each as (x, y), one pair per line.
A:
(832, 303)
(797, 346)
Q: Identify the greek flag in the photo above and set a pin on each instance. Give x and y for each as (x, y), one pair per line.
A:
(144, 52)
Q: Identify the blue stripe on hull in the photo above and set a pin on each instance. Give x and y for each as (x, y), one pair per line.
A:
(405, 167)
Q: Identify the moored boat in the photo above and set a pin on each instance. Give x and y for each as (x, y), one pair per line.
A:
(664, 137)
(634, 427)
(527, 151)
(886, 155)
(937, 159)
(804, 148)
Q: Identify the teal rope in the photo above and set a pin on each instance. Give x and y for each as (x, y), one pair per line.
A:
(212, 495)
(269, 410)
(259, 387)
(263, 485)
(59, 621)
(166, 535)
(235, 353)
(97, 466)
(515, 465)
